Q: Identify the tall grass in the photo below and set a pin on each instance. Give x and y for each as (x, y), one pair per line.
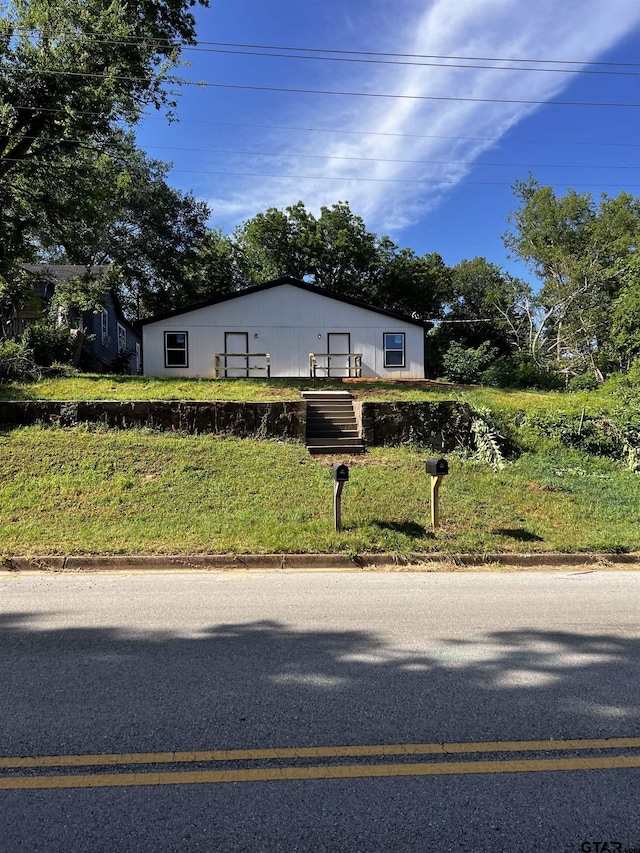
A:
(74, 490)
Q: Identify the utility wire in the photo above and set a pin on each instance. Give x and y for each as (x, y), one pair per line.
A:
(166, 43)
(350, 132)
(232, 152)
(413, 63)
(423, 55)
(345, 178)
(295, 91)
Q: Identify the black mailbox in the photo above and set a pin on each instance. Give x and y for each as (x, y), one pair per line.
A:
(437, 467)
(340, 472)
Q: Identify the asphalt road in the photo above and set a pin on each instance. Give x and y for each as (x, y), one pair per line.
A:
(157, 677)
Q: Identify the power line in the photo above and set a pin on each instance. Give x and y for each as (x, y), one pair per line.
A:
(410, 97)
(401, 135)
(422, 55)
(221, 44)
(635, 166)
(232, 152)
(394, 62)
(295, 91)
(348, 178)
(414, 63)
(365, 132)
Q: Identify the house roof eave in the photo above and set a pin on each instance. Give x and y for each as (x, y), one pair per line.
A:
(302, 285)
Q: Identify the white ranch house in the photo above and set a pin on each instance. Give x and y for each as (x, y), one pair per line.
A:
(284, 328)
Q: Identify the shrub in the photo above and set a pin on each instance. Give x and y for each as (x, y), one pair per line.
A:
(462, 364)
(616, 435)
(48, 344)
(16, 362)
(520, 371)
(584, 382)
(121, 364)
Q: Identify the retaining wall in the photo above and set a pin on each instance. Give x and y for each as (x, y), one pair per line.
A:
(442, 425)
(245, 420)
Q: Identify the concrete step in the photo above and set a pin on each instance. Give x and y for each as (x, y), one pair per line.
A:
(331, 423)
(315, 417)
(334, 411)
(333, 449)
(339, 425)
(341, 420)
(326, 395)
(338, 440)
(351, 434)
(329, 404)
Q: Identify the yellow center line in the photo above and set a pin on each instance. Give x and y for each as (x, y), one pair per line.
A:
(208, 777)
(361, 751)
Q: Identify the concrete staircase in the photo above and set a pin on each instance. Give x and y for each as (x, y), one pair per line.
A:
(331, 423)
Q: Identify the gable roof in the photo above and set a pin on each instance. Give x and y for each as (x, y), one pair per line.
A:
(64, 272)
(58, 273)
(294, 282)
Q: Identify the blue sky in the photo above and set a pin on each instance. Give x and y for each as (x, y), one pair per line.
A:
(430, 169)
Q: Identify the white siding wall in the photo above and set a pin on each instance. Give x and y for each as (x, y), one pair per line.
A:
(288, 323)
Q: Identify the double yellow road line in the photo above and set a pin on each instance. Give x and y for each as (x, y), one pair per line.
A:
(328, 771)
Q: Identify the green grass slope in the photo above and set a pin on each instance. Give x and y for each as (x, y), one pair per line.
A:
(75, 491)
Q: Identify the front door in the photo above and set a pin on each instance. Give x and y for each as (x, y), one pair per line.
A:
(236, 365)
(339, 347)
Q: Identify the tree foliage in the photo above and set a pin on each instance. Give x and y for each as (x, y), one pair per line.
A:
(71, 69)
(70, 72)
(581, 251)
(482, 319)
(112, 204)
(624, 342)
(337, 252)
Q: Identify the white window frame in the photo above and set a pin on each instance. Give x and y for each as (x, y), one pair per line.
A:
(104, 323)
(122, 338)
(387, 350)
(184, 349)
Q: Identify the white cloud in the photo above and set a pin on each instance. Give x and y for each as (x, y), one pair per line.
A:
(419, 130)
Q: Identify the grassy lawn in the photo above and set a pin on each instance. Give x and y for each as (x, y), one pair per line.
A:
(72, 491)
(100, 387)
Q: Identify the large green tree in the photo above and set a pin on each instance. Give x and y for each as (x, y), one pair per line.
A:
(483, 316)
(71, 71)
(580, 250)
(624, 341)
(276, 243)
(111, 204)
(336, 251)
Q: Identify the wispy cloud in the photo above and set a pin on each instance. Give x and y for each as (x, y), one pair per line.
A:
(389, 194)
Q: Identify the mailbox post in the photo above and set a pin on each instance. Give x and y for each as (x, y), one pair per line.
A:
(340, 477)
(437, 469)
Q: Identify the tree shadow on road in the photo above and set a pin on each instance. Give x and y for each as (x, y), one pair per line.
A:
(267, 683)
(78, 689)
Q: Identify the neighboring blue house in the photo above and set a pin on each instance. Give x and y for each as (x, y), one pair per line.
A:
(108, 333)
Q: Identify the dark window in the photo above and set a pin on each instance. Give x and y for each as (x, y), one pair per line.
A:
(175, 349)
(394, 350)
